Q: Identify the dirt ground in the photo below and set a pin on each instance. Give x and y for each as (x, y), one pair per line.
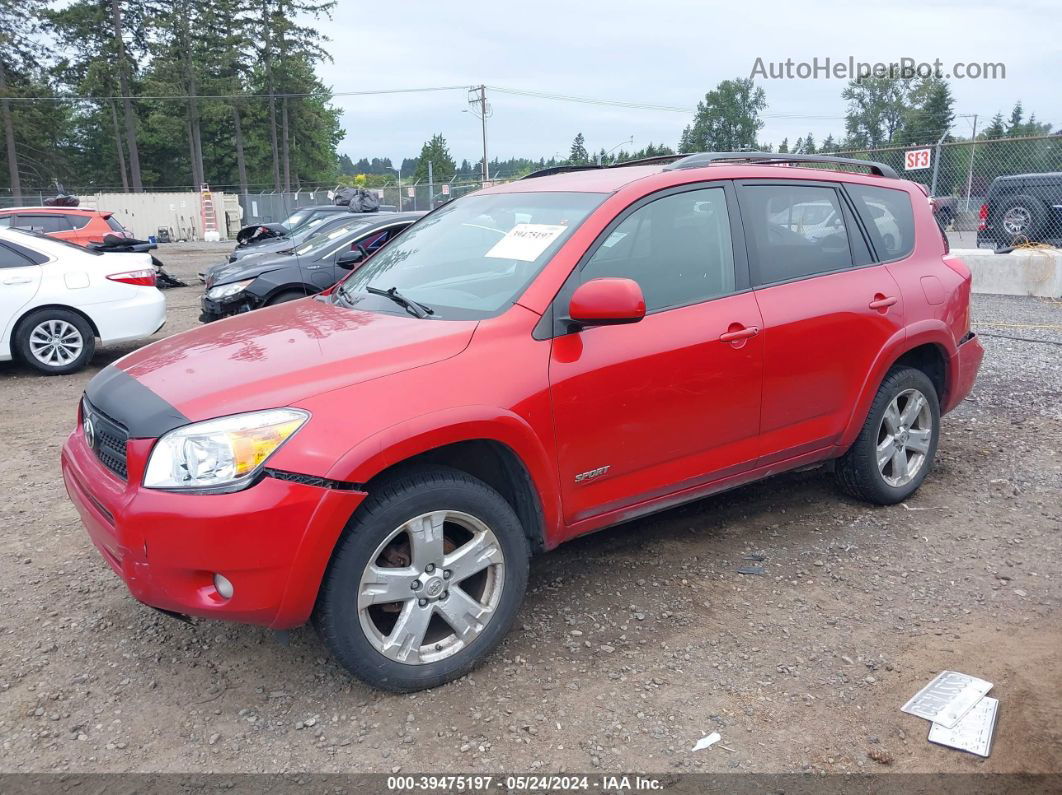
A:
(632, 644)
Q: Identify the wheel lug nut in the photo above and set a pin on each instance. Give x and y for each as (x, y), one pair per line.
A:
(447, 574)
(415, 585)
(423, 602)
(429, 568)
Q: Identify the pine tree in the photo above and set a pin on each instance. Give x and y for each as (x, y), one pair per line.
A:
(19, 51)
(437, 153)
(578, 156)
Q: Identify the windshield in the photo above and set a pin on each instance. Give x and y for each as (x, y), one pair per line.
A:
(295, 219)
(320, 241)
(472, 257)
(300, 233)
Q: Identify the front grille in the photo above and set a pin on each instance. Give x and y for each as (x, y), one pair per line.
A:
(107, 439)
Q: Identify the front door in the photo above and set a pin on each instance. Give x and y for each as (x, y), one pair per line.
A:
(671, 402)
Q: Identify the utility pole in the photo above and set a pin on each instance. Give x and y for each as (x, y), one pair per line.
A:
(431, 188)
(478, 96)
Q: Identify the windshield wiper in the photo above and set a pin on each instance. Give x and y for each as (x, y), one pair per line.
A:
(418, 309)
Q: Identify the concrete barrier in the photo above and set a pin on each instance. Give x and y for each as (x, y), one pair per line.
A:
(1033, 271)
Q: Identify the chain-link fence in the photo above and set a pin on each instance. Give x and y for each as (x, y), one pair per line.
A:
(1008, 190)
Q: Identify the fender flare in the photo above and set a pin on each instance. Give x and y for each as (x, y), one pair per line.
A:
(931, 331)
(410, 438)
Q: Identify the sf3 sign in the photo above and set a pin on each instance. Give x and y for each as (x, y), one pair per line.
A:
(917, 158)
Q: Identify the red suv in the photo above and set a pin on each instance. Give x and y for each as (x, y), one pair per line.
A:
(73, 224)
(530, 363)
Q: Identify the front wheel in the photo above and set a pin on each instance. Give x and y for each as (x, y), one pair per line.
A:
(425, 582)
(894, 451)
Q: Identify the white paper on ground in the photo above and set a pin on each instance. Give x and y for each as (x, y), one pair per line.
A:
(973, 733)
(707, 742)
(526, 242)
(947, 698)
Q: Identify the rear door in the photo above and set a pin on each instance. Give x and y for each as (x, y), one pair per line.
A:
(649, 409)
(828, 309)
(20, 278)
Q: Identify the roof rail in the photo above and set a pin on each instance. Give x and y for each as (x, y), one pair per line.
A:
(707, 158)
(643, 161)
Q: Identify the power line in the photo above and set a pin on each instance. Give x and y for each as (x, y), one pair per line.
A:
(186, 97)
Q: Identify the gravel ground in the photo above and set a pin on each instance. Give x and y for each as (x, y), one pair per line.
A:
(632, 644)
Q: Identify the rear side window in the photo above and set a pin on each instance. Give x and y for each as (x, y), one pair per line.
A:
(794, 231)
(5, 221)
(888, 217)
(77, 221)
(43, 223)
(112, 222)
(677, 248)
(9, 258)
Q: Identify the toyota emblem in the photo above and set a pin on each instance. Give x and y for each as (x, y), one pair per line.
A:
(90, 431)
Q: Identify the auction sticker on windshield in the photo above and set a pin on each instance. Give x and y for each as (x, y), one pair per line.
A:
(526, 241)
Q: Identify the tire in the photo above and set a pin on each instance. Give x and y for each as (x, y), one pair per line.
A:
(55, 341)
(1021, 218)
(364, 629)
(285, 296)
(858, 471)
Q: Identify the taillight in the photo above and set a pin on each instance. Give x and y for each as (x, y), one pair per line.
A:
(141, 278)
(982, 218)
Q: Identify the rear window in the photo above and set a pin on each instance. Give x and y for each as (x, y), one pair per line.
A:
(112, 222)
(794, 231)
(889, 218)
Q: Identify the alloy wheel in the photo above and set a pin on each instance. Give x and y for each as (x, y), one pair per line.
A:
(55, 343)
(904, 437)
(431, 587)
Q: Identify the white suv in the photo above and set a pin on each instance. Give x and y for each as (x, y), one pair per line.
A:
(57, 298)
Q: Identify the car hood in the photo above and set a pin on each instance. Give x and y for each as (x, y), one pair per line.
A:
(278, 355)
(270, 246)
(247, 268)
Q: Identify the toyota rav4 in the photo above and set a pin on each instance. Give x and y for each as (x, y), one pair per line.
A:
(530, 363)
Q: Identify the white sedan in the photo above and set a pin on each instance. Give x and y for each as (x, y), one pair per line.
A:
(57, 298)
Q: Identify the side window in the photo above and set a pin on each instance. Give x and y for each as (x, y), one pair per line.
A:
(794, 231)
(889, 218)
(114, 224)
(12, 259)
(77, 221)
(42, 223)
(5, 221)
(677, 248)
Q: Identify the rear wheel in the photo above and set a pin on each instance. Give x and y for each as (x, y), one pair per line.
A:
(425, 582)
(894, 451)
(55, 341)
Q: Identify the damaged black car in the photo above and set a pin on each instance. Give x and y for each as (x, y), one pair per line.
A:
(315, 265)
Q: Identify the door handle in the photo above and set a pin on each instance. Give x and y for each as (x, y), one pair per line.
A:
(739, 334)
(18, 280)
(882, 301)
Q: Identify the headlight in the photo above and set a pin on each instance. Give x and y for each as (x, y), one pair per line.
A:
(222, 454)
(223, 291)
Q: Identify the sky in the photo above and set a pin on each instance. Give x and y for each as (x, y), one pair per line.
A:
(662, 52)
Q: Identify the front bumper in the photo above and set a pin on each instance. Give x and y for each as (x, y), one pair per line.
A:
(216, 310)
(272, 540)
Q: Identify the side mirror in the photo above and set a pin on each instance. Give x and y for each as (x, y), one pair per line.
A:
(607, 302)
(351, 257)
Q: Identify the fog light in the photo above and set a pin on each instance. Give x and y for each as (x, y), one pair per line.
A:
(223, 586)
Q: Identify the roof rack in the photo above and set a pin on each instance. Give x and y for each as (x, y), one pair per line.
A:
(707, 158)
(644, 161)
